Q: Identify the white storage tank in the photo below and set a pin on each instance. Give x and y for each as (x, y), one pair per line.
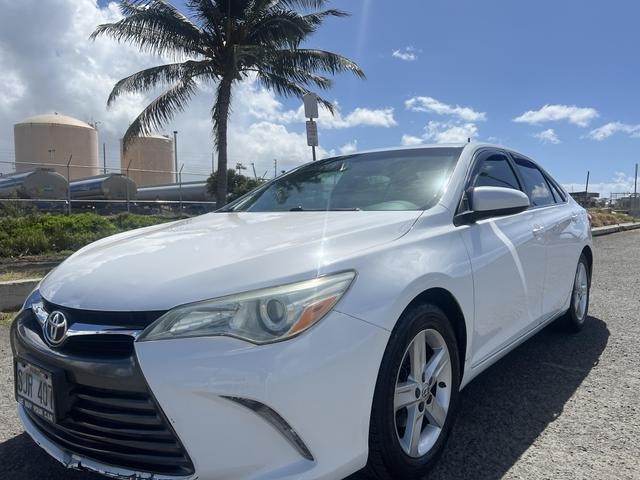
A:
(49, 140)
(150, 160)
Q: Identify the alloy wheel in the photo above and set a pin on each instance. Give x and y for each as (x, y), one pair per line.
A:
(422, 393)
(580, 292)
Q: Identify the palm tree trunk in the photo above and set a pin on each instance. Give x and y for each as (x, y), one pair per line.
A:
(222, 111)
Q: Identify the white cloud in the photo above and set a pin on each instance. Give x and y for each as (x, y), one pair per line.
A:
(430, 104)
(612, 128)
(449, 132)
(547, 136)
(349, 148)
(579, 116)
(273, 111)
(264, 141)
(620, 183)
(410, 140)
(443, 132)
(408, 54)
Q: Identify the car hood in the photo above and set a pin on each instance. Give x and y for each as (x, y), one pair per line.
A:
(160, 267)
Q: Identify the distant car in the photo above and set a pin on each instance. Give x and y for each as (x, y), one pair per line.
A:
(322, 323)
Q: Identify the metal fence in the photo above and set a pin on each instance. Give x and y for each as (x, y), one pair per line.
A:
(176, 201)
(626, 202)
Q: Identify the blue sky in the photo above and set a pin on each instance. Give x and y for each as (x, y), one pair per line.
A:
(503, 58)
(436, 70)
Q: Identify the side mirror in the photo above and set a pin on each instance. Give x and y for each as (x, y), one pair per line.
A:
(488, 202)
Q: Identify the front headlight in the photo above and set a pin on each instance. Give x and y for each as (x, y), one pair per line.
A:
(35, 303)
(261, 316)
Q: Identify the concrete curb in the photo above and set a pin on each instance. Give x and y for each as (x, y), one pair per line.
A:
(598, 231)
(14, 293)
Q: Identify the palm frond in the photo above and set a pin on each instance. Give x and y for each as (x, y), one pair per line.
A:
(304, 4)
(158, 76)
(278, 28)
(207, 12)
(155, 27)
(161, 110)
(317, 18)
(283, 60)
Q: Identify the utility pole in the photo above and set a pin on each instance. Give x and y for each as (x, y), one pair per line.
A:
(104, 157)
(129, 165)
(175, 154)
(213, 164)
(180, 187)
(586, 189)
(275, 167)
(635, 183)
(68, 184)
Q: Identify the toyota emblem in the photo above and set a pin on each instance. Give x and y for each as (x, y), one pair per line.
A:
(55, 329)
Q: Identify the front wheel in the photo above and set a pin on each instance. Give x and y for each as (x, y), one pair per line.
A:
(574, 319)
(416, 396)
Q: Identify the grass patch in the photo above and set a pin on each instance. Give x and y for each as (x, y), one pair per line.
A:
(602, 217)
(11, 276)
(41, 234)
(6, 318)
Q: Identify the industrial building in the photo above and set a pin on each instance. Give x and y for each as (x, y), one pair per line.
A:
(50, 140)
(149, 160)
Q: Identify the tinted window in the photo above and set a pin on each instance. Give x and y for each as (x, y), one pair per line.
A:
(560, 197)
(495, 171)
(535, 185)
(395, 180)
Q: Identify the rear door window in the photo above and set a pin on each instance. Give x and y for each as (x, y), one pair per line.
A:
(535, 184)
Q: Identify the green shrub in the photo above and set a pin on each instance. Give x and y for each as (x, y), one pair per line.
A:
(129, 221)
(36, 234)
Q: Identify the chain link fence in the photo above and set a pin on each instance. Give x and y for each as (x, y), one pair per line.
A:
(51, 187)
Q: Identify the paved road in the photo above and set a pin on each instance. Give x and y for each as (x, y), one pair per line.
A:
(558, 407)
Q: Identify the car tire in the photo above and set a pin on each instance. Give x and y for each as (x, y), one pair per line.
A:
(573, 320)
(392, 452)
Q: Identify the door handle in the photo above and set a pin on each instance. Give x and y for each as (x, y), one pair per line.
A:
(575, 217)
(538, 230)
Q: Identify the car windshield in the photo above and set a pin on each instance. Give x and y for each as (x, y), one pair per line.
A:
(393, 180)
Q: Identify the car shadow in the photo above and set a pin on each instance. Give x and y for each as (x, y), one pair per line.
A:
(504, 410)
(22, 459)
(501, 412)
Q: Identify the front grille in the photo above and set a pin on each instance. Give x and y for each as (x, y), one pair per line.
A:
(99, 346)
(126, 429)
(102, 346)
(132, 320)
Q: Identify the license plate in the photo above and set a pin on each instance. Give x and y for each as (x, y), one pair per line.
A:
(34, 390)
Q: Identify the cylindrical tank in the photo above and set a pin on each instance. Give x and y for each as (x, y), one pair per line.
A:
(148, 160)
(50, 140)
(112, 186)
(40, 183)
(187, 192)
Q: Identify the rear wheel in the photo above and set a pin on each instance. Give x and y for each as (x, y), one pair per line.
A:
(574, 319)
(416, 396)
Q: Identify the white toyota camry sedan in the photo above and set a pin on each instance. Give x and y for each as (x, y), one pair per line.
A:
(323, 323)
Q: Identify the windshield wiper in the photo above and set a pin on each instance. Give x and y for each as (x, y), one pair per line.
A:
(301, 209)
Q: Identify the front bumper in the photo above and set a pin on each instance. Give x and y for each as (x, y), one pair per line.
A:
(319, 385)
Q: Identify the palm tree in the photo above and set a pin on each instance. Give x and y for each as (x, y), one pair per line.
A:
(223, 42)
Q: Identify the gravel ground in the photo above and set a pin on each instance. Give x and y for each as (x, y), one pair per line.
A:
(558, 407)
